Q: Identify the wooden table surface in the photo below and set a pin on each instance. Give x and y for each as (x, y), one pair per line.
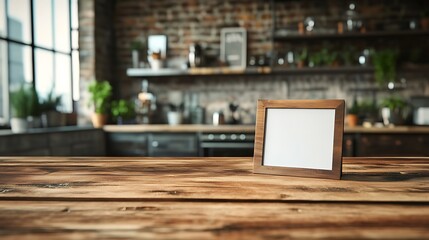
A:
(200, 198)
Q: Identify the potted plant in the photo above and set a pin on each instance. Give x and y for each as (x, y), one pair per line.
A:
(352, 117)
(301, 57)
(392, 110)
(35, 111)
(136, 47)
(51, 117)
(385, 66)
(315, 59)
(424, 20)
(20, 106)
(122, 111)
(100, 94)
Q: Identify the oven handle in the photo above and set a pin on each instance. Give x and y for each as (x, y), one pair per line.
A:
(226, 145)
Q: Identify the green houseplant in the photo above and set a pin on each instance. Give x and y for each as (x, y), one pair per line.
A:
(51, 117)
(384, 66)
(100, 94)
(301, 57)
(20, 102)
(122, 110)
(392, 110)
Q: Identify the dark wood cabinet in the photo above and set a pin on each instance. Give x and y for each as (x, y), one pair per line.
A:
(356, 143)
(61, 141)
(127, 144)
(374, 145)
(152, 144)
(173, 145)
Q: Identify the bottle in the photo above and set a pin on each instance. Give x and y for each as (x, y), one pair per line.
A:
(195, 55)
(145, 104)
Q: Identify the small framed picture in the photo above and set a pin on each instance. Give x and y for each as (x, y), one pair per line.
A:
(299, 138)
(234, 47)
(157, 44)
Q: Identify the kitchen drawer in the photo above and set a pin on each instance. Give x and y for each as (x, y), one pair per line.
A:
(127, 144)
(173, 145)
(369, 145)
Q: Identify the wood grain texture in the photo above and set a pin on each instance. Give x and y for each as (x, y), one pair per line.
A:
(387, 180)
(210, 220)
(209, 198)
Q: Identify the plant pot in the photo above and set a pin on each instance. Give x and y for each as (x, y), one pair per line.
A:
(18, 125)
(34, 121)
(135, 58)
(174, 118)
(424, 23)
(352, 120)
(98, 120)
(53, 119)
(390, 117)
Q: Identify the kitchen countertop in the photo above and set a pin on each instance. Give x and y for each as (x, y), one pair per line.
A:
(178, 128)
(5, 132)
(247, 128)
(209, 198)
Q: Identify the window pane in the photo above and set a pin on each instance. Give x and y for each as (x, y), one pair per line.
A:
(63, 84)
(2, 18)
(19, 20)
(75, 18)
(3, 83)
(76, 75)
(62, 25)
(20, 67)
(43, 23)
(44, 61)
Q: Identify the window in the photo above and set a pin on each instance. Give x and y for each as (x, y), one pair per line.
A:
(39, 45)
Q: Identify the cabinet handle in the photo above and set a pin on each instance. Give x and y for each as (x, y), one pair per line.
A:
(155, 144)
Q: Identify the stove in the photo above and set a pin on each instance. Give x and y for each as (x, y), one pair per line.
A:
(227, 144)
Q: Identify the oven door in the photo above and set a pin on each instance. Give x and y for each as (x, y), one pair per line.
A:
(227, 149)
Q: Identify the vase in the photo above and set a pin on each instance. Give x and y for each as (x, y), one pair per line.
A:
(18, 125)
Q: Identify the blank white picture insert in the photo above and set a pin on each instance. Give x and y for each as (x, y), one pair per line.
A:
(299, 138)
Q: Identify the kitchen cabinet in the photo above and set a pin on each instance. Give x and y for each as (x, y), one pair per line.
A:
(127, 144)
(237, 140)
(375, 145)
(152, 144)
(173, 145)
(61, 141)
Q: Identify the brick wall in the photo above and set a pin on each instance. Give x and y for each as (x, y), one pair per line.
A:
(96, 49)
(197, 21)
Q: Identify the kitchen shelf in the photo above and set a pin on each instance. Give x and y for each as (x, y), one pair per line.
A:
(350, 35)
(258, 71)
(214, 71)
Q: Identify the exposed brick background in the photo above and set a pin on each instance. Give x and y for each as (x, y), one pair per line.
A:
(198, 21)
(96, 50)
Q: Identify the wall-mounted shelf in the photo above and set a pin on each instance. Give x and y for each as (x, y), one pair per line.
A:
(350, 35)
(223, 71)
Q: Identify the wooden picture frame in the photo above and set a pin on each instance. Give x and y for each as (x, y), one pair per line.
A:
(233, 48)
(299, 138)
(158, 43)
